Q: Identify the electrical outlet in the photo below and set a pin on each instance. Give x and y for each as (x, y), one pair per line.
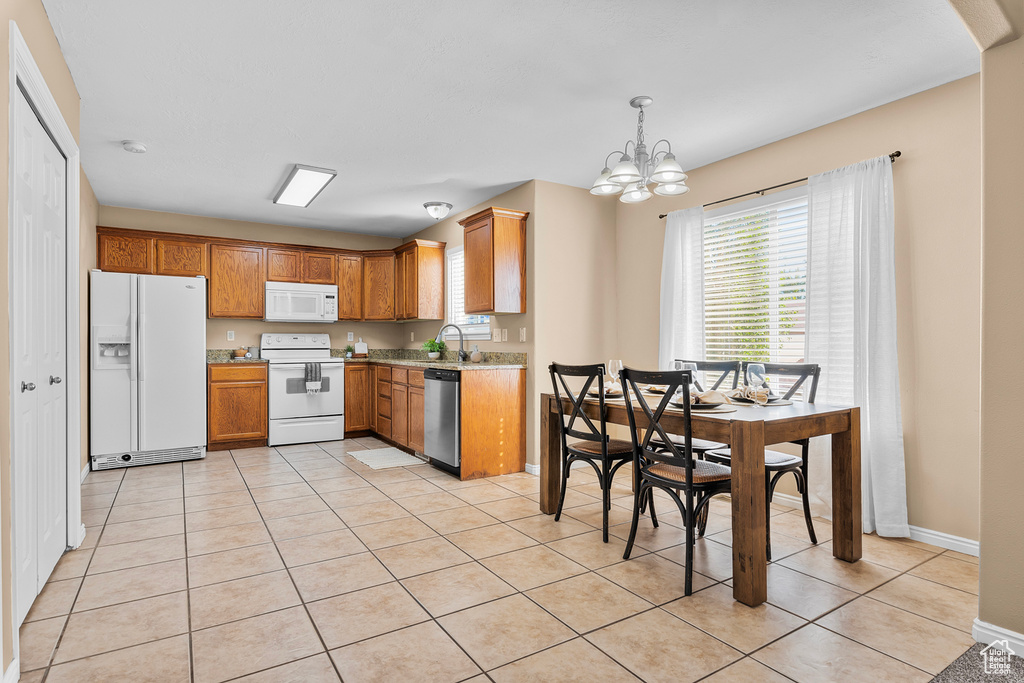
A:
(351, 336)
(231, 335)
(412, 336)
(496, 335)
(522, 334)
(504, 334)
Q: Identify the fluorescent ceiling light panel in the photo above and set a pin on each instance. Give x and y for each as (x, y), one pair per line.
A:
(303, 185)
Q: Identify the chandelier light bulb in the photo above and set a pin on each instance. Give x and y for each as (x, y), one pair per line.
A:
(604, 186)
(671, 189)
(625, 172)
(437, 210)
(668, 171)
(635, 193)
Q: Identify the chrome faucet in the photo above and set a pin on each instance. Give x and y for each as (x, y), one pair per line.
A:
(463, 356)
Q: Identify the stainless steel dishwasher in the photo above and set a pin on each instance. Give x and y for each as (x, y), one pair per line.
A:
(442, 426)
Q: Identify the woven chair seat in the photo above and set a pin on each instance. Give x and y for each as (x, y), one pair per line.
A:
(700, 445)
(772, 459)
(615, 447)
(703, 472)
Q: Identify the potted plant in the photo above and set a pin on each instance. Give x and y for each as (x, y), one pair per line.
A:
(434, 348)
(349, 350)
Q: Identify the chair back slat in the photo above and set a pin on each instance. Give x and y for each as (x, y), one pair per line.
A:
(724, 367)
(799, 372)
(587, 430)
(669, 451)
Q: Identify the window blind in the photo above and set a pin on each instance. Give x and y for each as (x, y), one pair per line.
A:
(755, 279)
(473, 326)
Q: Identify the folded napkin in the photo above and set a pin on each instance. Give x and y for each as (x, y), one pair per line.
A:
(313, 379)
(709, 397)
(758, 395)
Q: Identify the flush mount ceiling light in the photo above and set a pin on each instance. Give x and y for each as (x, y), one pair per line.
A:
(437, 210)
(303, 185)
(632, 174)
(133, 146)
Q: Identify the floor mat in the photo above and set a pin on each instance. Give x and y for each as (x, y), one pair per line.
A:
(970, 668)
(383, 458)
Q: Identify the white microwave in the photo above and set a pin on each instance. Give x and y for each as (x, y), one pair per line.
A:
(295, 302)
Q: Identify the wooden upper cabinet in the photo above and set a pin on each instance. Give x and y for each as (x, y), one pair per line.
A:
(125, 253)
(319, 268)
(495, 261)
(284, 265)
(379, 285)
(419, 280)
(237, 279)
(350, 286)
(180, 257)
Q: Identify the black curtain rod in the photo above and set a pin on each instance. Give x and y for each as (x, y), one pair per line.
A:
(892, 157)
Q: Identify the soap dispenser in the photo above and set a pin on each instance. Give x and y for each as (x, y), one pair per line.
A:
(476, 356)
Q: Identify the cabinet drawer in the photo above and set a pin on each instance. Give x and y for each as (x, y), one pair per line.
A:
(383, 388)
(416, 378)
(400, 375)
(384, 372)
(232, 373)
(384, 410)
(384, 427)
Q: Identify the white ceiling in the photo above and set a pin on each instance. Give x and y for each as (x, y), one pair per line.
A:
(456, 101)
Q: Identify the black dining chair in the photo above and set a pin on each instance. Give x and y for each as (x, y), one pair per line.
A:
(593, 446)
(673, 467)
(794, 377)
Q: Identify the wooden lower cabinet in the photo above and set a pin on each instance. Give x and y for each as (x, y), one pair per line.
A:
(493, 407)
(400, 414)
(357, 397)
(416, 414)
(236, 405)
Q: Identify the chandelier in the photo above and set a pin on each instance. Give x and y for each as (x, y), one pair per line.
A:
(632, 175)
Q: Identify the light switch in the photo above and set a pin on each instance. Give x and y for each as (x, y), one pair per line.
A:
(496, 335)
(412, 336)
(522, 334)
(231, 335)
(351, 337)
(504, 334)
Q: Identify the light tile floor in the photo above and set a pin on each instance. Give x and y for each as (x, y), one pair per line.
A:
(302, 564)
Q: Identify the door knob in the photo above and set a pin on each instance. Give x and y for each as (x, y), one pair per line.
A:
(27, 386)
(55, 380)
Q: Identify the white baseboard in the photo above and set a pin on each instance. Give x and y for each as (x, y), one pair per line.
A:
(937, 538)
(989, 634)
(533, 469)
(85, 472)
(947, 541)
(13, 672)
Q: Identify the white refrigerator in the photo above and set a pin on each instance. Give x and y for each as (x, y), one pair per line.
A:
(147, 379)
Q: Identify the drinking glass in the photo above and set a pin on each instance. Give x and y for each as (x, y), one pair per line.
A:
(755, 375)
(614, 366)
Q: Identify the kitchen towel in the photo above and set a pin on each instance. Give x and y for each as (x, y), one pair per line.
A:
(312, 378)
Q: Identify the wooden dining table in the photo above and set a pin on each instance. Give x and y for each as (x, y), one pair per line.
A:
(747, 430)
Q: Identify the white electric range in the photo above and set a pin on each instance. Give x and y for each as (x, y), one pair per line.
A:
(298, 415)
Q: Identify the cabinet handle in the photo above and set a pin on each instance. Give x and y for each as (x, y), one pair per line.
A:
(27, 386)
(55, 380)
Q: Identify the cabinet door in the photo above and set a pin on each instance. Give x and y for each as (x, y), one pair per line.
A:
(371, 380)
(357, 398)
(180, 257)
(237, 411)
(125, 254)
(400, 414)
(350, 287)
(379, 287)
(430, 283)
(284, 265)
(479, 267)
(319, 269)
(416, 418)
(400, 286)
(237, 281)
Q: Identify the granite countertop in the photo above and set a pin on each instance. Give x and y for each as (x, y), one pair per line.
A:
(211, 361)
(440, 364)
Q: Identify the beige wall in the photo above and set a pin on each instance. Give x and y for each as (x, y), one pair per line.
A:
(1002, 347)
(247, 332)
(937, 197)
(35, 28)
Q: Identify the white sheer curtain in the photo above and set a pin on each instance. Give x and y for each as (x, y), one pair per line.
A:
(851, 332)
(682, 288)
